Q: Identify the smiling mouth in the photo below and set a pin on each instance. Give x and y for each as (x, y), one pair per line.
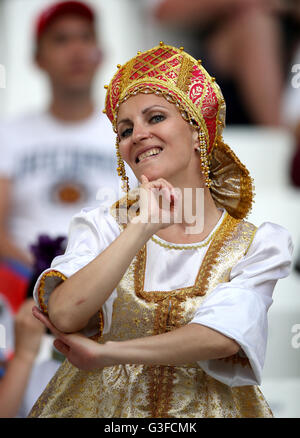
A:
(150, 153)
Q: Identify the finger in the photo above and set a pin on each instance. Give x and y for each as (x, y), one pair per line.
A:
(166, 194)
(175, 194)
(61, 347)
(161, 183)
(46, 321)
(144, 179)
(41, 317)
(169, 186)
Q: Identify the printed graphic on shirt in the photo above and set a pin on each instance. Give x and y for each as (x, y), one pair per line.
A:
(63, 161)
(71, 172)
(69, 192)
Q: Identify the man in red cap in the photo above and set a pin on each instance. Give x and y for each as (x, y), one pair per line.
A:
(63, 8)
(67, 51)
(53, 162)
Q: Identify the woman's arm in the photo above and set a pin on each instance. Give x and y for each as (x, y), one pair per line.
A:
(188, 344)
(199, 12)
(8, 249)
(28, 337)
(76, 300)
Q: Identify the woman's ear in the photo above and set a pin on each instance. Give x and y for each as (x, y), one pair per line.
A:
(195, 139)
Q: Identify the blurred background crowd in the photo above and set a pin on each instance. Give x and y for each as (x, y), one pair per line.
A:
(58, 155)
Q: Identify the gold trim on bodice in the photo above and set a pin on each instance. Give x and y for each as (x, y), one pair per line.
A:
(158, 391)
(157, 312)
(199, 288)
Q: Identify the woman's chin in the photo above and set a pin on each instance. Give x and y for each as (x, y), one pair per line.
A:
(151, 176)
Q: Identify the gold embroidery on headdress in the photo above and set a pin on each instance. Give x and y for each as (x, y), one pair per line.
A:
(126, 73)
(174, 74)
(184, 76)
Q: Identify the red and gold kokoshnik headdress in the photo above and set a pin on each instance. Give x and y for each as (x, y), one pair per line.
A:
(182, 80)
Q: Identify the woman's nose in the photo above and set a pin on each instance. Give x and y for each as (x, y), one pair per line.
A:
(140, 133)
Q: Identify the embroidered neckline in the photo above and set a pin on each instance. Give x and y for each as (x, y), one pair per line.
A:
(190, 246)
(223, 232)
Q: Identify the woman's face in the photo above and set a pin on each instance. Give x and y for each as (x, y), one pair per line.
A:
(155, 140)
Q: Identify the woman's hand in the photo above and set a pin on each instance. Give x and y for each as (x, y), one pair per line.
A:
(81, 351)
(159, 203)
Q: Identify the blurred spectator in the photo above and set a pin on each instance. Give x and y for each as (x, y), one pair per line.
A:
(291, 99)
(21, 378)
(28, 352)
(240, 42)
(54, 162)
(291, 115)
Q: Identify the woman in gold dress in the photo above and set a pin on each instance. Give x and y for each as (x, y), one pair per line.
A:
(160, 304)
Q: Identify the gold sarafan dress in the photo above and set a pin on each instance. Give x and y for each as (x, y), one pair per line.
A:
(218, 388)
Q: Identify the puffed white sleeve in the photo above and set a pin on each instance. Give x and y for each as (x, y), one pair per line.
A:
(90, 232)
(238, 309)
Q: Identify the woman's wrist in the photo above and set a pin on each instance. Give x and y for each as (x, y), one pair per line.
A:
(108, 354)
(24, 357)
(146, 229)
(126, 352)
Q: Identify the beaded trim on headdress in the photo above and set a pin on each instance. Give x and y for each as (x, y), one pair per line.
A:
(182, 80)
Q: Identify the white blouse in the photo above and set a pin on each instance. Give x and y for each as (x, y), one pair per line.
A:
(237, 309)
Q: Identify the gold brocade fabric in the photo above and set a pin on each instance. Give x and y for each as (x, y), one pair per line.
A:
(232, 186)
(143, 391)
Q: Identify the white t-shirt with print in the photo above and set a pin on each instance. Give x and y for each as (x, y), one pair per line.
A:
(57, 169)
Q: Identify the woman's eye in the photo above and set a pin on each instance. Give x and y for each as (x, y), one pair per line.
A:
(126, 132)
(157, 118)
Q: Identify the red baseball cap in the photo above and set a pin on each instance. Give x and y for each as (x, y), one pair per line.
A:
(58, 9)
